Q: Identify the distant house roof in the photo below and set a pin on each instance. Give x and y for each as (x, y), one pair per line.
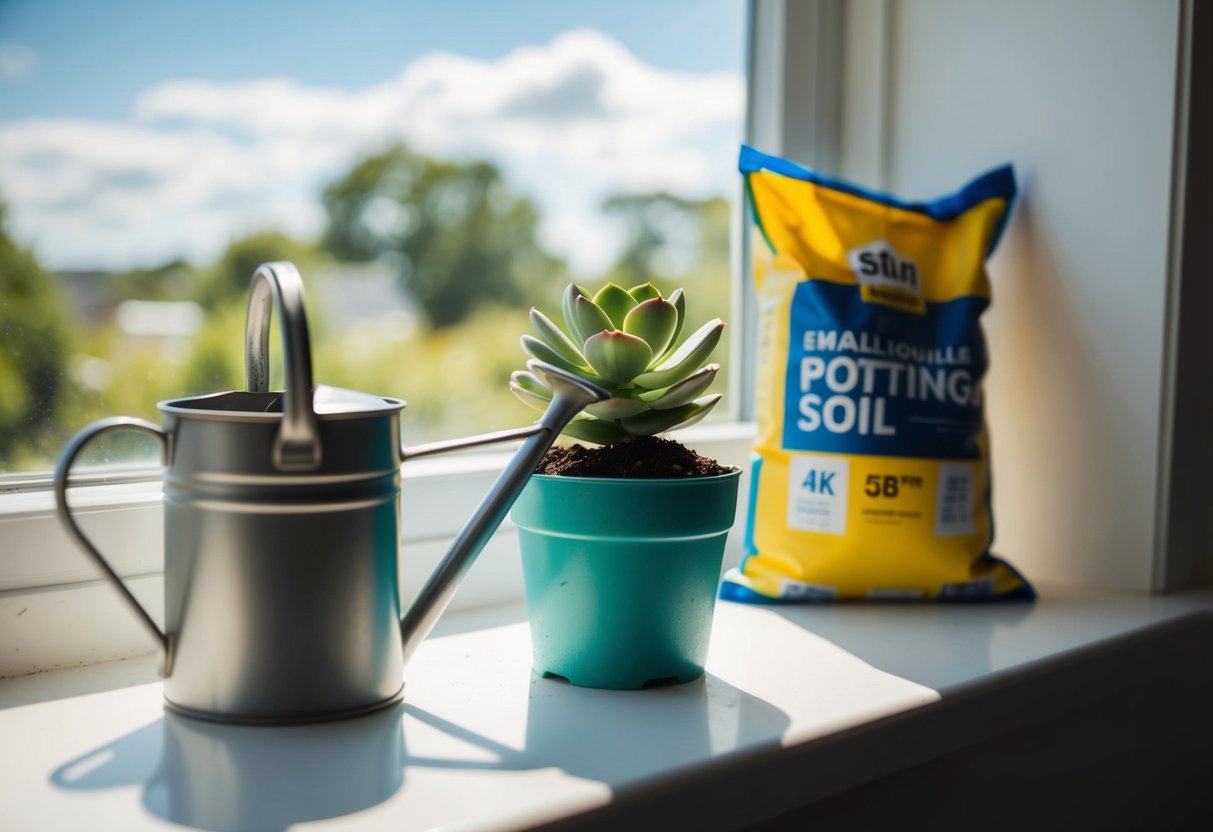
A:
(355, 292)
(159, 318)
(87, 294)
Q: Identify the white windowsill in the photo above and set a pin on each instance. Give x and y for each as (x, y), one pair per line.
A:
(797, 704)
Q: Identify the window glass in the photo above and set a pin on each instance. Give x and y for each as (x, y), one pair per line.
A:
(433, 168)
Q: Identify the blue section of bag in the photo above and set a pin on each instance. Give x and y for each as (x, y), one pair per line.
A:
(864, 378)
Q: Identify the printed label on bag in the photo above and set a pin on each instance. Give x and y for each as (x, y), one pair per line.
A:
(982, 588)
(799, 591)
(895, 594)
(817, 493)
(954, 499)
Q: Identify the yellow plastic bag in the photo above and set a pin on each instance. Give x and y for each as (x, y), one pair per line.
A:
(871, 470)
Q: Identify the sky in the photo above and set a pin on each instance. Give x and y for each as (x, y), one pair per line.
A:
(133, 132)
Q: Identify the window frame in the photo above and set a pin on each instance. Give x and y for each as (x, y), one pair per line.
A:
(56, 615)
(61, 613)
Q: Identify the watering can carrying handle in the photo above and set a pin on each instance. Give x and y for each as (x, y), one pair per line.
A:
(62, 472)
(297, 446)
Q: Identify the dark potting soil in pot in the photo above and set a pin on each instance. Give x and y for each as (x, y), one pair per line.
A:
(646, 457)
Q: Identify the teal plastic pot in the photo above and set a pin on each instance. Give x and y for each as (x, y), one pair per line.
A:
(621, 575)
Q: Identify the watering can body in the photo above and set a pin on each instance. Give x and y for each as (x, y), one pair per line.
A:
(282, 534)
(281, 591)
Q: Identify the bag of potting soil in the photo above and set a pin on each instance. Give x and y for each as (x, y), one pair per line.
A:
(871, 469)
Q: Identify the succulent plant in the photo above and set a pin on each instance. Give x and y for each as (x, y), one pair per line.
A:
(625, 340)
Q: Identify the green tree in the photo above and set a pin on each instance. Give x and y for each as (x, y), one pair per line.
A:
(669, 237)
(175, 280)
(215, 359)
(33, 349)
(458, 234)
(674, 242)
(229, 278)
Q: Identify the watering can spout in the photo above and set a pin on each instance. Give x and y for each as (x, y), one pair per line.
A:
(570, 395)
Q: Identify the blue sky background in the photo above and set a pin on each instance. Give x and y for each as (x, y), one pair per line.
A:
(133, 132)
(91, 57)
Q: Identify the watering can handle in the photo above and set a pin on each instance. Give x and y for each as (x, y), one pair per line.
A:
(297, 446)
(62, 472)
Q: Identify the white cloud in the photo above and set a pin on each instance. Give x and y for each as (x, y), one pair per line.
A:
(16, 60)
(201, 162)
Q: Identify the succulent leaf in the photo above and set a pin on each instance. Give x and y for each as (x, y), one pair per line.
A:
(679, 299)
(654, 321)
(587, 320)
(617, 408)
(615, 302)
(617, 357)
(551, 335)
(628, 341)
(529, 398)
(684, 391)
(570, 294)
(643, 292)
(598, 431)
(538, 349)
(703, 406)
(685, 360)
(531, 383)
(659, 421)
(567, 301)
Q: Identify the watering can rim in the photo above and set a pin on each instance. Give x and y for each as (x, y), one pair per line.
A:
(328, 404)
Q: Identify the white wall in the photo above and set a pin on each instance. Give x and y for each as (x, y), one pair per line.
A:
(1081, 97)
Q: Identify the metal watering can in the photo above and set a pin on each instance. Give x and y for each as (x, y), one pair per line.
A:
(282, 532)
